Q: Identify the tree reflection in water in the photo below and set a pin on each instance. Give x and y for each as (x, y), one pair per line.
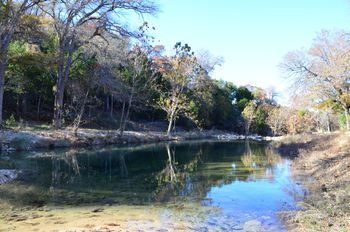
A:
(70, 158)
(260, 162)
(168, 174)
(122, 165)
(175, 178)
(158, 173)
(247, 158)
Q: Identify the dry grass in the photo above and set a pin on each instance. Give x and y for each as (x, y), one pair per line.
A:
(323, 166)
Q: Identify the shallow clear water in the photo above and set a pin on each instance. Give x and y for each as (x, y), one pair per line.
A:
(192, 186)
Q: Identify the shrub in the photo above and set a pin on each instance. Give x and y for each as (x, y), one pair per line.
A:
(11, 121)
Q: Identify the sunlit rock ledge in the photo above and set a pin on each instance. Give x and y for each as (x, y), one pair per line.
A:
(26, 140)
(231, 137)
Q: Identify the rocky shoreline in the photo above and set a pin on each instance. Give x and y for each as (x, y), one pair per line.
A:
(12, 140)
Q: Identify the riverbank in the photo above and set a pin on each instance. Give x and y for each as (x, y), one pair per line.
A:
(322, 165)
(27, 140)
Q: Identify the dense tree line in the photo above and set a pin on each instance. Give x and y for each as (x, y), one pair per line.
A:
(76, 63)
(70, 63)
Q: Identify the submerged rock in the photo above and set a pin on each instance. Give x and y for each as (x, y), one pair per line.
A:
(253, 226)
(7, 175)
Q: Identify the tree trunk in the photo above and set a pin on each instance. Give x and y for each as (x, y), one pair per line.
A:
(131, 97)
(247, 127)
(328, 123)
(18, 112)
(172, 114)
(24, 104)
(107, 103)
(80, 115)
(62, 77)
(127, 113)
(89, 115)
(58, 107)
(347, 119)
(170, 123)
(112, 105)
(38, 108)
(122, 118)
(6, 37)
(3, 64)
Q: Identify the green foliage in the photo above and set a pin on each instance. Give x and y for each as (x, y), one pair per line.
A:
(243, 93)
(16, 78)
(10, 122)
(4, 10)
(213, 101)
(49, 44)
(17, 49)
(83, 66)
(259, 124)
(223, 109)
(193, 107)
(302, 113)
(342, 121)
(241, 104)
(242, 97)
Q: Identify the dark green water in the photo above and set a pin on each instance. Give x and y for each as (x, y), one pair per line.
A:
(239, 182)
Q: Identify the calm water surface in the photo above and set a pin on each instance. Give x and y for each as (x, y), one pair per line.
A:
(194, 186)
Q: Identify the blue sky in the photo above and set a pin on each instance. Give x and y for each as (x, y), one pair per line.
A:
(251, 35)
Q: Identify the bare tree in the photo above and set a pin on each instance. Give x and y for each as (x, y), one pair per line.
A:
(76, 22)
(139, 80)
(80, 98)
(277, 120)
(323, 72)
(207, 61)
